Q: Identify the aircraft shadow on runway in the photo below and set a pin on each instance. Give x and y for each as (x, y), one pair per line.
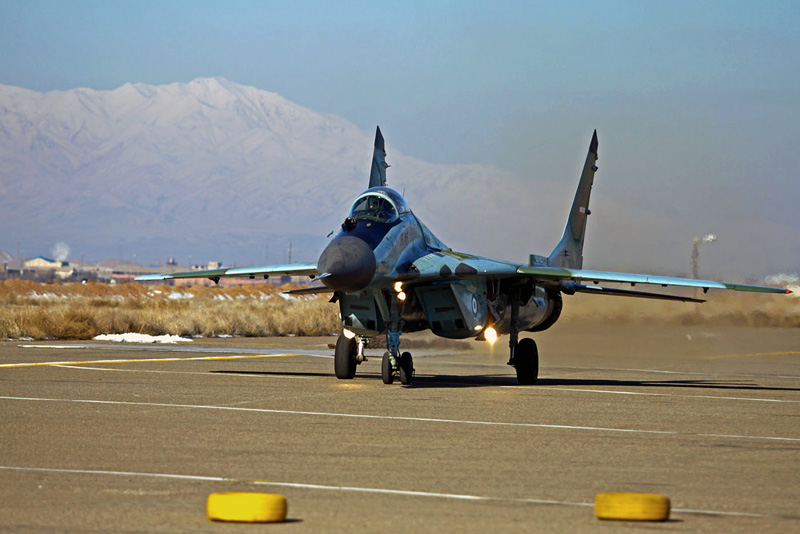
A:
(464, 381)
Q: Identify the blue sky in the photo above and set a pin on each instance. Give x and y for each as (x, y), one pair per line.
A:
(449, 77)
(697, 103)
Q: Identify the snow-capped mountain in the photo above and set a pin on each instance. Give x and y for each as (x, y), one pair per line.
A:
(208, 170)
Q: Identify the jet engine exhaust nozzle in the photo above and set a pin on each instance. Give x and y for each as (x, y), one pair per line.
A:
(347, 264)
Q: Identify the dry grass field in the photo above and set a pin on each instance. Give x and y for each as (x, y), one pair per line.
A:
(82, 311)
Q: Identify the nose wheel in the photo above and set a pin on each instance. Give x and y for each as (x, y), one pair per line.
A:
(404, 366)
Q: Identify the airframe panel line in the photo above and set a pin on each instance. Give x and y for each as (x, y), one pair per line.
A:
(197, 358)
(409, 493)
(401, 418)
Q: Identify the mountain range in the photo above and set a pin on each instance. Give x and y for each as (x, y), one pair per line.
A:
(210, 170)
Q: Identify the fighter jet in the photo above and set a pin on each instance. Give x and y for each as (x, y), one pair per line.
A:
(390, 274)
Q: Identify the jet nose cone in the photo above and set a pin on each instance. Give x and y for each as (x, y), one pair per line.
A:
(347, 264)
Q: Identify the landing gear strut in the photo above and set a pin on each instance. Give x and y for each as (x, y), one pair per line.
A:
(393, 361)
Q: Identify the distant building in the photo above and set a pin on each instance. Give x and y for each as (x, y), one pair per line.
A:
(64, 272)
(40, 262)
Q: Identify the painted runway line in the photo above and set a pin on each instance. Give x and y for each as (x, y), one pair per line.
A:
(78, 364)
(671, 395)
(542, 388)
(668, 372)
(201, 373)
(141, 360)
(185, 348)
(385, 491)
(749, 355)
(410, 419)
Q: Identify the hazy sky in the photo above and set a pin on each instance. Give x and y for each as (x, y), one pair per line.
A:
(697, 103)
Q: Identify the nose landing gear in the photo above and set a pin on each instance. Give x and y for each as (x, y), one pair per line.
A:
(404, 365)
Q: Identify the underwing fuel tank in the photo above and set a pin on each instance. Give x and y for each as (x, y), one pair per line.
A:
(454, 310)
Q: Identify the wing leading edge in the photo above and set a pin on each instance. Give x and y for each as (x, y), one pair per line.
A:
(292, 269)
(562, 274)
(448, 264)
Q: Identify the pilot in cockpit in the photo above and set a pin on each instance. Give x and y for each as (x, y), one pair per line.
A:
(374, 208)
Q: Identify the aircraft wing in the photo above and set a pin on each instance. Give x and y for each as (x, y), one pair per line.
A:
(448, 264)
(291, 269)
(562, 274)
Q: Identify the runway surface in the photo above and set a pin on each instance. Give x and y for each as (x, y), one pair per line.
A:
(104, 437)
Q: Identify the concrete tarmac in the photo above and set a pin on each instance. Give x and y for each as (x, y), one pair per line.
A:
(133, 438)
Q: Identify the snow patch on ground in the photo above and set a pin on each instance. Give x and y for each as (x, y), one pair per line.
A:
(131, 337)
(175, 295)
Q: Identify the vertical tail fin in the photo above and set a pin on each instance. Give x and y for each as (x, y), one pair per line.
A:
(377, 176)
(569, 251)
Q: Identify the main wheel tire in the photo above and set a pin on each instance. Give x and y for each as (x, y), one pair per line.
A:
(632, 506)
(387, 373)
(406, 365)
(526, 362)
(344, 358)
(246, 507)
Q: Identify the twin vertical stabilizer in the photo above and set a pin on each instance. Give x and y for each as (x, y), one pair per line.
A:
(377, 176)
(569, 251)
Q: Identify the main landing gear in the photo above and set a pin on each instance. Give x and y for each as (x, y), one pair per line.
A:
(348, 354)
(524, 356)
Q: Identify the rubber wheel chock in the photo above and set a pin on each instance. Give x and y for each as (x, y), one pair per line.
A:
(246, 507)
(622, 506)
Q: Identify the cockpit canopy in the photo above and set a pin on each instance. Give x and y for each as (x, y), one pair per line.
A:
(379, 204)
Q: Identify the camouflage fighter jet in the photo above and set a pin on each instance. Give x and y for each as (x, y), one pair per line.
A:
(390, 274)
